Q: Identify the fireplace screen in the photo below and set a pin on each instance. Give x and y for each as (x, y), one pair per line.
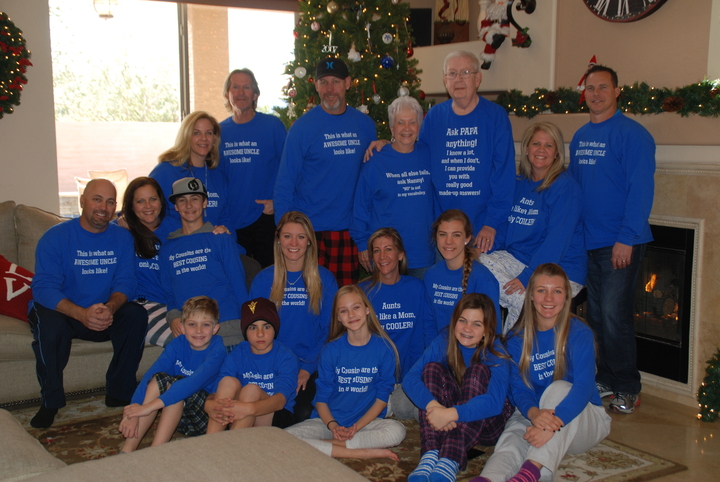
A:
(662, 303)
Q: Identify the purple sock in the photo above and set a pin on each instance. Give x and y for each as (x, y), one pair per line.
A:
(480, 479)
(528, 473)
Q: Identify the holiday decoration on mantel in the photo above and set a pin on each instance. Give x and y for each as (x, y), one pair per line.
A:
(14, 61)
(373, 38)
(708, 396)
(494, 26)
(701, 99)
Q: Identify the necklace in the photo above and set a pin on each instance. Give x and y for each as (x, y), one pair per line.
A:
(296, 280)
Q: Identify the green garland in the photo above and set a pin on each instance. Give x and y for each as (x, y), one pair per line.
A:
(14, 60)
(701, 99)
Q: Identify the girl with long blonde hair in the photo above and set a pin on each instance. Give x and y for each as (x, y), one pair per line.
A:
(302, 292)
(357, 373)
(552, 381)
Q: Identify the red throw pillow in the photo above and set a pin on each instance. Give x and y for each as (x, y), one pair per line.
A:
(15, 293)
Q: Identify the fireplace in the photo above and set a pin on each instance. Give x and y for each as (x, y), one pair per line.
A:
(663, 303)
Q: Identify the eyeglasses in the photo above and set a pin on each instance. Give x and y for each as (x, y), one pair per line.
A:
(463, 74)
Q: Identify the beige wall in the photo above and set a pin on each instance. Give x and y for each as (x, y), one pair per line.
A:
(27, 136)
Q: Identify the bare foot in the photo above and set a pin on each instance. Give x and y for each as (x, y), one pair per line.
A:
(365, 454)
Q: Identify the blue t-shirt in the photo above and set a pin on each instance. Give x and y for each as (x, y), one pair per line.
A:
(83, 267)
(614, 163)
(395, 190)
(351, 378)
(480, 407)
(199, 367)
(580, 371)
(320, 166)
(147, 271)
(443, 289)
(472, 160)
(275, 371)
(249, 159)
(214, 180)
(399, 309)
(545, 227)
(301, 330)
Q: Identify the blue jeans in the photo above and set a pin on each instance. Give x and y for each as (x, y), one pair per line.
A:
(611, 298)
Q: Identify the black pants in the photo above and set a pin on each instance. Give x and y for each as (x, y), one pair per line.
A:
(303, 400)
(258, 239)
(53, 333)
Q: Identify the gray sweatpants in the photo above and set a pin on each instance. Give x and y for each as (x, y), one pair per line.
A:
(580, 435)
(378, 434)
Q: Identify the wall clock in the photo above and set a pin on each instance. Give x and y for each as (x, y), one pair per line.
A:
(623, 10)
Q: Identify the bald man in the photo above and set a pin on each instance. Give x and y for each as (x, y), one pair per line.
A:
(84, 276)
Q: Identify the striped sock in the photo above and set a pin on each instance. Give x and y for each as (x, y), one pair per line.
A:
(445, 471)
(426, 465)
(528, 473)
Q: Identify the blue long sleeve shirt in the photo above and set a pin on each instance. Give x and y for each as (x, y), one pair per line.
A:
(249, 159)
(147, 271)
(203, 263)
(545, 227)
(472, 160)
(395, 190)
(199, 367)
(301, 330)
(275, 371)
(478, 408)
(614, 163)
(83, 267)
(443, 289)
(399, 309)
(350, 378)
(320, 166)
(580, 371)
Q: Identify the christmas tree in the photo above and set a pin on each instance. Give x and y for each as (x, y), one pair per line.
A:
(709, 393)
(372, 37)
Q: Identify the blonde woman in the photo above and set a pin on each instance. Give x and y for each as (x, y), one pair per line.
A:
(303, 293)
(195, 154)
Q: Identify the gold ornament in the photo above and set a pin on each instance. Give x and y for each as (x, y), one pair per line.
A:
(332, 7)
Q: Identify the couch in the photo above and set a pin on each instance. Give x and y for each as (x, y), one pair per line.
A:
(20, 230)
(255, 454)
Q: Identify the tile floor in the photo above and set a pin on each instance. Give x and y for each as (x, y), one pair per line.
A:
(672, 431)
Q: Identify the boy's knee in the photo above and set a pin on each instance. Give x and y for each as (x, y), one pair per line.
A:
(251, 393)
(228, 387)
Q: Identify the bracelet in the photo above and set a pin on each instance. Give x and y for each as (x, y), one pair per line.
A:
(331, 421)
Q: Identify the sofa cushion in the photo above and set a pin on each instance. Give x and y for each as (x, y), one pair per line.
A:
(15, 293)
(8, 238)
(31, 224)
(21, 455)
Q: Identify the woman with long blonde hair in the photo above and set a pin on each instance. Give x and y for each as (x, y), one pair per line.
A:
(461, 385)
(195, 154)
(552, 381)
(357, 373)
(302, 292)
(544, 223)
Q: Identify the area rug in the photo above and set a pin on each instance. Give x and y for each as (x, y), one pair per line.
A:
(86, 429)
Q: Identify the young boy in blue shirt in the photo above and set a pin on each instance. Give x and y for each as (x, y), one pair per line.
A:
(179, 381)
(259, 377)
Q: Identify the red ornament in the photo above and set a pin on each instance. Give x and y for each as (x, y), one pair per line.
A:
(421, 94)
(410, 50)
(296, 34)
(310, 79)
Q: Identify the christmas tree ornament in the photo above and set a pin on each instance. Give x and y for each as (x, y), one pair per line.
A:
(387, 62)
(387, 37)
(367, 27)
(395, 2)
(403, 91)
(376, 17)
(291, 110)
(376, 97)
(356, 82)
(410, 50)
(332, 7)
(296, 34)
(300, 72)
(421, 94)
(292, 93)
(310, 80)
(310, 104)
(364, 109)
(353, 54)
(329, 48)
(315, 26)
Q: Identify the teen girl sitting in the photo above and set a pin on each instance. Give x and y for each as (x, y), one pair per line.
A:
(552, 381)
(461, 385)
